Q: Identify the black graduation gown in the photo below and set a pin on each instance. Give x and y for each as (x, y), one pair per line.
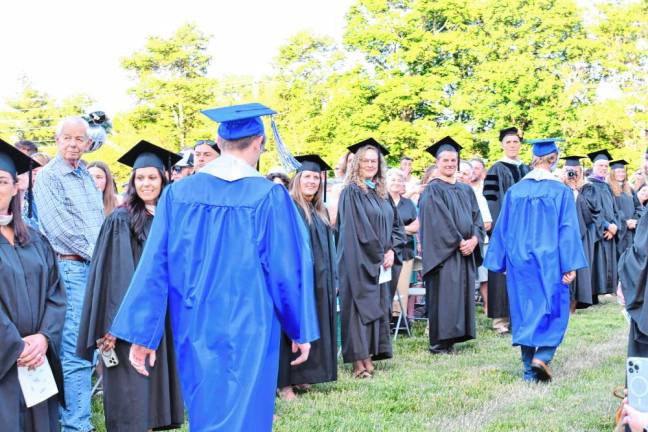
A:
(629, 208)
(449, 213)
(132, 402)
(399, 245)
(32, 300)
(499, 178)
(601, 208)
(581, 289)
(366, 226)
(321, 365)
(633, 274)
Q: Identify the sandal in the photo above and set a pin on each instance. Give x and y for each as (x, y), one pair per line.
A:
(361, 374)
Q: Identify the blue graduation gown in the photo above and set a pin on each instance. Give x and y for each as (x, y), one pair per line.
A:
(536, 240)
(231, 258)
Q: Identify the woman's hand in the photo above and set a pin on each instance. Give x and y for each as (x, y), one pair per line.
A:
(388, 259)
(33, 354)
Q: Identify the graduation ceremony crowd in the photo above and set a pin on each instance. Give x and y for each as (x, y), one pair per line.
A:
(208, 289)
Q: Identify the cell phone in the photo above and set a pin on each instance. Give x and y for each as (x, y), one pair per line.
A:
(109, 358)
(637, 373)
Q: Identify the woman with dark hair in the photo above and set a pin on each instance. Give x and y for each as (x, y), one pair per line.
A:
(131, 401)
(104, 181)
(32, 305)
(369, 232)
(306, 190)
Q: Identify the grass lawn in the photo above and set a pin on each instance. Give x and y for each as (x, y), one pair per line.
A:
(479, 388)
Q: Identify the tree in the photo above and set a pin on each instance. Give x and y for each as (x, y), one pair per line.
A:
(172, 87)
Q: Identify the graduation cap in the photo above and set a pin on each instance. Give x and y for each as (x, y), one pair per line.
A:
(544, 146)
(210, 143)
(368, 142)
(314, 163)
(242, 121)
(508, 131)
(572, 161)
(444, 144)
(144, 155)
(187, 159)
(15, 163)
(618, 164)
(599, 155)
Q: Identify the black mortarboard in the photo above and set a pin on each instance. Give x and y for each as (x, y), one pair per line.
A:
(312, 162)
(599, 154)
(618, 164)
(572, 161)
(368, 142)
(14, 161)
(144, 154)
(508, 131)
(444, 144)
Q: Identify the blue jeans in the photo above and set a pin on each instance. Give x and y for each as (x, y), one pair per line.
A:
(546, 354)
(76, 371)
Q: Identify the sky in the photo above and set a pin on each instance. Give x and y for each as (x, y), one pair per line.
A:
(69, 47)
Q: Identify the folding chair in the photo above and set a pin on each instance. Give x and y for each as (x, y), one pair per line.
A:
(402, 317)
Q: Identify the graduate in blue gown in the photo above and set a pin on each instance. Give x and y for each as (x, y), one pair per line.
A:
(228, 253)
(537, 243)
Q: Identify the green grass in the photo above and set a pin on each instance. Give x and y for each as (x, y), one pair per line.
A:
(479, 388)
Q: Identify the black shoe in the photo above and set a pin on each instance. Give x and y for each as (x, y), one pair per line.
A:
(440, 348)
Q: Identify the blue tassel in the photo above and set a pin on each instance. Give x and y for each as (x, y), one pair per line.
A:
(287, 159)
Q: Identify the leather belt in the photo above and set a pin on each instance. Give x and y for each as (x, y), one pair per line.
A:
(71, 257)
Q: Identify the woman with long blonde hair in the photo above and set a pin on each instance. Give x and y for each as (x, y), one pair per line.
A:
(627, 204)
(369, 231)
(306, 189)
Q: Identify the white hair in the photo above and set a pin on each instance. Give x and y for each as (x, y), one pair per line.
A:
(464, 164)
(395, 172)
(72, 120)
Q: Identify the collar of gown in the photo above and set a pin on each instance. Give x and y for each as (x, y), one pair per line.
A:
(230, 168)
(540, 174)
(517, 162)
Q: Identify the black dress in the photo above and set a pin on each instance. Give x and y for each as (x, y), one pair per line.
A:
(629, 208)
(449, 213)
(601, 207)
(499, 178)
(399, 245)
(366, 229)
(132, 402)
(321, 365)
(32, 300)
(581, 289)
(633, 274)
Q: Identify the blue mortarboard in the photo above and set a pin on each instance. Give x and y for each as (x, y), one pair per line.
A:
(544, 146)
(239, 121)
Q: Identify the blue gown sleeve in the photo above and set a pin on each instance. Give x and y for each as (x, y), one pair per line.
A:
(285, 255)
(140, 319)
(570, 245)
(495, 259)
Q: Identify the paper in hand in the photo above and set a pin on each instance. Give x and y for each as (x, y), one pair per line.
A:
(38, 384)
(385, 275)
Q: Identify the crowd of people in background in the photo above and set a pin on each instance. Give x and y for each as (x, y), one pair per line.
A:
(70, 245)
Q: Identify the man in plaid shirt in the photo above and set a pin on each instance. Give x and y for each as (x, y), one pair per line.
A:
(71, 213)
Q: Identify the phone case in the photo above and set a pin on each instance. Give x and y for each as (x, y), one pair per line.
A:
(637, 373)
(109, 358)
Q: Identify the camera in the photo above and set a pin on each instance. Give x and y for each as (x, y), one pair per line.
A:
(572, 174)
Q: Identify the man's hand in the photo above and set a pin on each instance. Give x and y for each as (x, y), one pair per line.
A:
(137, 358)
(466, 247)
(388, 259)
(568, 277)
(613, 229)
(33, 354)
(304, 350)
(607, 235)
(620, 296)
(631, 223)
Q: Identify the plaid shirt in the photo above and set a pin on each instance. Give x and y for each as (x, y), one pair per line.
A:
(70, 207)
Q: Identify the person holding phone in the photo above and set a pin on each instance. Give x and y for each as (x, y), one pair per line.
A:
(131, 401)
